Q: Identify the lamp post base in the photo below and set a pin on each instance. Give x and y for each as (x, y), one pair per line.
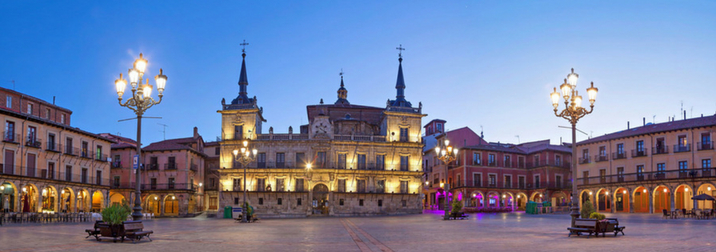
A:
(574, 213)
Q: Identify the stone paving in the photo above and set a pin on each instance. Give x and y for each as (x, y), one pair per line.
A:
(423, 232)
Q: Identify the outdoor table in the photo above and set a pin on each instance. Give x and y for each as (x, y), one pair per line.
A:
(675, 214)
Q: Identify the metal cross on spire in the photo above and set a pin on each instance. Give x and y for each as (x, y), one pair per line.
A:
(400, 50)
(341, 73)
(244, 44)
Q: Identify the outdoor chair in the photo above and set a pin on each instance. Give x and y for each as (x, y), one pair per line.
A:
(666, 214)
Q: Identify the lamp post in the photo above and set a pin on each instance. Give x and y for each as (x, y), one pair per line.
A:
(245, 157)
(140, 101)
(446, 153)
(573, 111)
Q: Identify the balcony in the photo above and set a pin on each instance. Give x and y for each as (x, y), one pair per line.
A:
(100, 157)
(11, 137)
(539, 185)
(601, 158)
(33, 142)
(656, 177)
(116, 164)
(54, 175)
(584, 160)
(169, 186)
(491, 163)
(194, 167)
(151, 166)
(618, 155)
(170, 166)
(53, 147)
(86, 154)
(705, 145)
(543, 163)
(660, 150)
(638, 153)
(70, 151)
(682, 148)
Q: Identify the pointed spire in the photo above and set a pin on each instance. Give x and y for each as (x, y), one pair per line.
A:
(400, 82)
(342, 92)
(243, 80)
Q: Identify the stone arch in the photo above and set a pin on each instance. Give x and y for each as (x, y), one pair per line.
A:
(662, 198)
(83, 200)
(49, 199)
(536, 196)
(507, 199)
(603, 201)
(171, 205)
(559, 198)
(521, 202)
(320, 198)
(492, 199)
(708, 189)
(152, 204)
(116, 198)
(682, 197)
(8, 196)
(97, 201)
(584, 196)
(640, 199)
(621, 200)
(30, 198)
(477, 199)
(67, 200)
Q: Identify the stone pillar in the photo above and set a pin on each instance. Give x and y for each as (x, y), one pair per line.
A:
(672, 196)
(651, 200)
(612, 200)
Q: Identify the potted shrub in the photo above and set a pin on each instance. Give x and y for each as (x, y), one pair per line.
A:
(456, 207)
(113, 217)
(587, 209)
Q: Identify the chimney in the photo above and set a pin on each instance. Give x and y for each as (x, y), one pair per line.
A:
(196, 132)
(627, 124)
(644, 118)
(53, 100)
(684, 114)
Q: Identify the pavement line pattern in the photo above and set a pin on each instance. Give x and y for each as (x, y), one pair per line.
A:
(361, 245)
(370, 238)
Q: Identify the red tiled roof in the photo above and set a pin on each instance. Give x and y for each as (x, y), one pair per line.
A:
(656, 128)
(123, 145)
(166, 146)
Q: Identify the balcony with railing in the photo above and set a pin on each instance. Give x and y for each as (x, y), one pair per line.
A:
(170, 166)
(194, 167)
(86, 154)
(618, 155)
(584, 160)
(513, 185)
(168, 186)
(151, 166)
(101, 157)
(68, 150)
(601, 158)
(656, 177)
(55, 175)
(682, 148)
(638, 153)
(52, 146)
(552, 163)
(291, 136)
(660, 150)
(11, 137)
(116, 164)
(705, 146)
(33, 142)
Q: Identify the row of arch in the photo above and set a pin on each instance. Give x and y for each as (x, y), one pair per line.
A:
(648, 200)
(494, 199)
(159, 205)
(31, 198)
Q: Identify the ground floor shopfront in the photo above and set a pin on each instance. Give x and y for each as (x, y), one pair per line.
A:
(495, 198)
(19, 194)
(162, 203)
(648, 198)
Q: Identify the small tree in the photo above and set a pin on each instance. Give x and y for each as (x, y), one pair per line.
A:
(456, 207)
(597, 216)
(587, 209)
(116, 214)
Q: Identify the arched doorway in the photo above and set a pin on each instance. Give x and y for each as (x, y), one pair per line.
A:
(8, 195)
(641, 200)
(29, 198)
(682, 197)
(117, 199)
(320, 199)
(493, 199)
(507, 201)
(97, 199)
(707, 189)
(559, 199)
(83, 200)
(152, 205)
(476, 199)
(621, 200)
(604, 201)
(171, 205)
(537, 197)
(49, 199)
(66, 200)
(521, 201)
(584, 196)
(662, 199)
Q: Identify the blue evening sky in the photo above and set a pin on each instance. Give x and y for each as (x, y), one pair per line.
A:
(472, 63)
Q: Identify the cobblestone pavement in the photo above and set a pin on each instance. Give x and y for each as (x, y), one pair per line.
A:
(424, 232)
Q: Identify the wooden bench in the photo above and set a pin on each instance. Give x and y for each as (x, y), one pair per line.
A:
(617, 228)
(583, 226)
(94, 232)
(134, 230)
(459, 215)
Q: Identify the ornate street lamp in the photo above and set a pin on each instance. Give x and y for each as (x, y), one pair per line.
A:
(245, 155)
(573, 111)
(140, 101)
(446, 153)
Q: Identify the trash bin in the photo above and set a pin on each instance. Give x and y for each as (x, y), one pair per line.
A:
(227, 212)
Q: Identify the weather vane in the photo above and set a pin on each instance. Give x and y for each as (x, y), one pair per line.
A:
(341, 73)
(400, 50)
(244, 44)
